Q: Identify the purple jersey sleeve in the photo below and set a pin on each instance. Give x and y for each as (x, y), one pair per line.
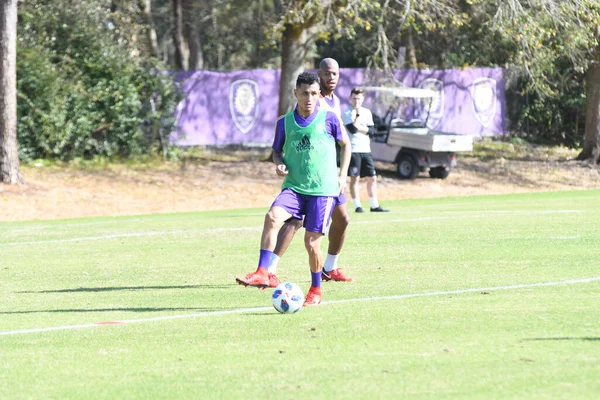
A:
(279, 139)
(332, 122)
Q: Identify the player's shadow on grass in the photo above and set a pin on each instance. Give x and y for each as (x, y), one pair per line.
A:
(586, 339)
(125, 309)
(116, 288)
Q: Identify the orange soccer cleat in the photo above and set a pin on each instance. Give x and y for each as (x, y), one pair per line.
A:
(313, 297)
(273, 281)
(335, 275)
(259, 279)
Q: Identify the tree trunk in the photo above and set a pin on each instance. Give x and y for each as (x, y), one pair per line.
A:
(410, 49)
(293, 54)
(591, 144)
(192, 36)
(9, 155)
(196, 57)
(182, 50)
(151, 38)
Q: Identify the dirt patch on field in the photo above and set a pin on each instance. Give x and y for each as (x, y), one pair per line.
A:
(244, 179)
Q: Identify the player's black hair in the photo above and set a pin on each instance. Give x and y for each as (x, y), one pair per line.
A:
(306, 78)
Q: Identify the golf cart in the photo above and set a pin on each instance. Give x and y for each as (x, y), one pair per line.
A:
(403, 138)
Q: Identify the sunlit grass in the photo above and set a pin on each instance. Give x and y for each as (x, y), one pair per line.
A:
(446, 303)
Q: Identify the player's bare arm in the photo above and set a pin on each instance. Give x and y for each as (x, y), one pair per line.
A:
(280, 167)
(346, 153)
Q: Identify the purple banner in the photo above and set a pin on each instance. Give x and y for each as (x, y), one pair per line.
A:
(241, 107)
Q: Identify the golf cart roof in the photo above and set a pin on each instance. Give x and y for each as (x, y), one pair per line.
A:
(402, 91)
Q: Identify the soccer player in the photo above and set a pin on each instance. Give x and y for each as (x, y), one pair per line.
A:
(329, 73)
(304, 153)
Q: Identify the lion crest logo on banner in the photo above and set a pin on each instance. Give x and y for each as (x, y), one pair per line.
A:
(483, 92)
(436, 109)
(243, 103)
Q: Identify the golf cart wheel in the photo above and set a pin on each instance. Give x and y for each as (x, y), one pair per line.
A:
(407, 167)
(439, 172)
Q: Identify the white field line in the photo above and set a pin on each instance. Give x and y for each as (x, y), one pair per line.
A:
(133, 234)
(262, 309)
(116, 220)
(249, 228)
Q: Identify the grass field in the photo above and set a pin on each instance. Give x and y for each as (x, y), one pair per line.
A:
(491, 297)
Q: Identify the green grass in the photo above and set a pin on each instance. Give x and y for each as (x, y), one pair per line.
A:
(497, 342)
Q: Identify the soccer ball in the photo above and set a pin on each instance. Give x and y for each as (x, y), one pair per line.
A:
(288, 298)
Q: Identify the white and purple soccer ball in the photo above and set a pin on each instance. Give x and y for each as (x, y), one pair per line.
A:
(288, 298)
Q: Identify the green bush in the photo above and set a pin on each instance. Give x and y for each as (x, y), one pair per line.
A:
(84, 87)
(550, 120)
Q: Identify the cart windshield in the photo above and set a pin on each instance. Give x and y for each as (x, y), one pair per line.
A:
(399, 106)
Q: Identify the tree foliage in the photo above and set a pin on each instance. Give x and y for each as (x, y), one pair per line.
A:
(85, 86)
(558, 51)
(545, 46)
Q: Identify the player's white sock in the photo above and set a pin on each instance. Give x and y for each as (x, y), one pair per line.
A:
(374, 202)
(273, 264)
(357, 203)
(330, 262)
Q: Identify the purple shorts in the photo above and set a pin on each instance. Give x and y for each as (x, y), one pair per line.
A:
(341, 199)
(315, 209)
